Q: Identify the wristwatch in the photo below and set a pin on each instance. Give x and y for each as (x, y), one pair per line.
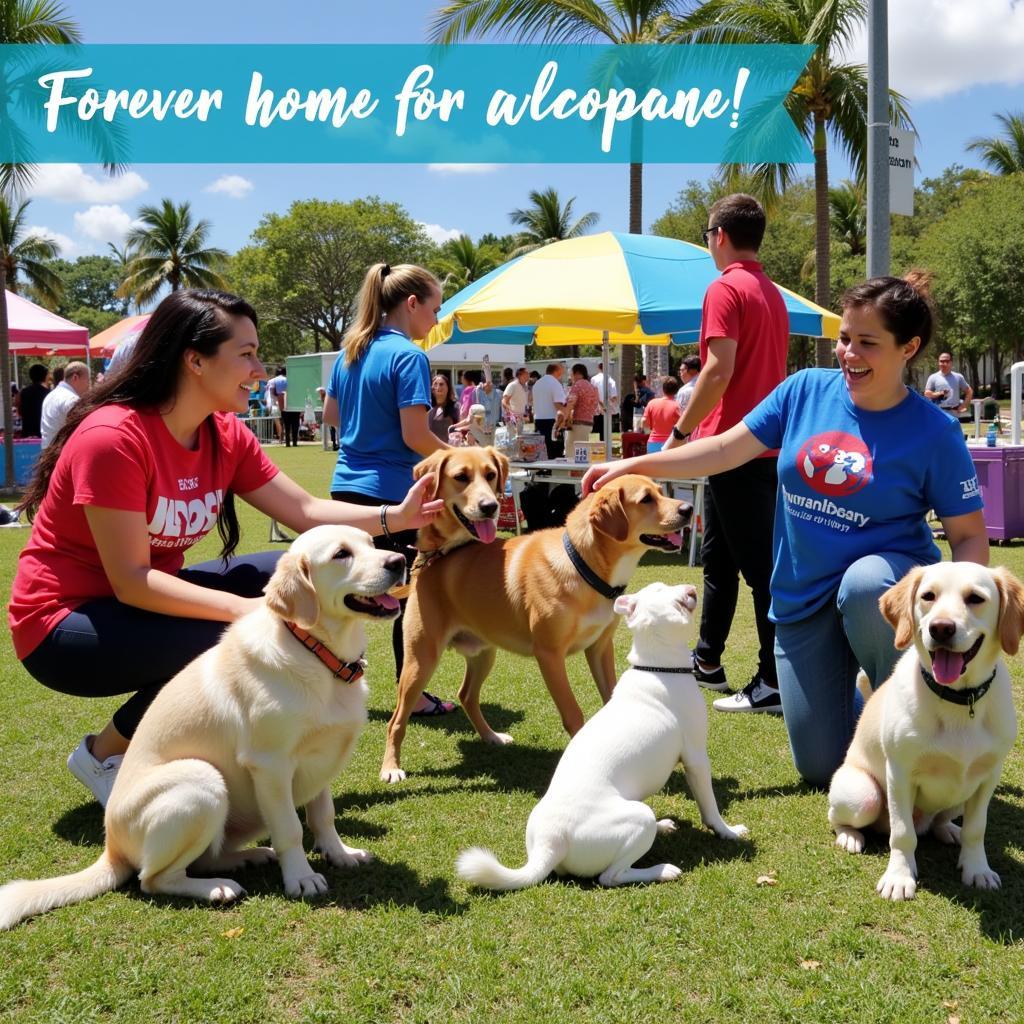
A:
(679, 435)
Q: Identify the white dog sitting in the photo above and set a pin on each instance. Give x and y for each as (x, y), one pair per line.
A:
(930, 743)
(592, 820)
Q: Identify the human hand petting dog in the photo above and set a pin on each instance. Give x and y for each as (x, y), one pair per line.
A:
(418, 509)
(605, 472)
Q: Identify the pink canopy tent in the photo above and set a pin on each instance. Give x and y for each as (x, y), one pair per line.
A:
(34, 331)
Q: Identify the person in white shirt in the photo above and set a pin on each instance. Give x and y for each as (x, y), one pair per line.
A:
(548, 404)
(608, 392)
(516, 396)
(688, 370)
(59, 401)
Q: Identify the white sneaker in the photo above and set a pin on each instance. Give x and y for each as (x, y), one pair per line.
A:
(757, 695)
(97, 776)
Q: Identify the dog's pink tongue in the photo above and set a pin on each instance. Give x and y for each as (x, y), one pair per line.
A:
(486, 530)
(387, 602)
(675, 538)
(947, 666)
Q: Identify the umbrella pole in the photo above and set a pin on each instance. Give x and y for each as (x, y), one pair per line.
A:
(607, 364)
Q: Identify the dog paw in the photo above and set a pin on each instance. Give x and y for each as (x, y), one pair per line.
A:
(850, 840)
(346, 856)
(392, 775)
(497, 739)
(666, 825)
(896, 886)
(946, 832)
(668, 873)
(311, 885)
(980, 877)
(734, 832)
(223, 890)
(256, 855)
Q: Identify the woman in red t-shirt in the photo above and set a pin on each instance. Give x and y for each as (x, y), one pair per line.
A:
(145, 466)
(660, 415)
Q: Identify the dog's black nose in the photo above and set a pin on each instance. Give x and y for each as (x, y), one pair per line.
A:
(395, 564)
(685, 511)
(487, 508)
(942, 630)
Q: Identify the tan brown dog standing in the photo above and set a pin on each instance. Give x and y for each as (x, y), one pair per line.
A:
(527, 596)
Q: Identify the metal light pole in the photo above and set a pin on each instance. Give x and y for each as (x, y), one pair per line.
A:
(878, 138)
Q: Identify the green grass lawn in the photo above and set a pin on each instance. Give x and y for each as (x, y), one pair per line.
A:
(404, 940)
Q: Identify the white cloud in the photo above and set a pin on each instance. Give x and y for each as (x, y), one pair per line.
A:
(938, 47)
(463, 168)
(103, 223)
(440, 234)
(233, 185)
(69, 248)
(70, 183)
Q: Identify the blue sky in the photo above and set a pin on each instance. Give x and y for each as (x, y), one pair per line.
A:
(959, 62)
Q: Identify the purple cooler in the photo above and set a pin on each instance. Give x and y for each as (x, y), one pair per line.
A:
(1001, 477)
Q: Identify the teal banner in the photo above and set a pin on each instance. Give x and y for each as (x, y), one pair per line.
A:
(399, 104)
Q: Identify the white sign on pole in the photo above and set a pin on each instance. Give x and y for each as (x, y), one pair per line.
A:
(901, 171)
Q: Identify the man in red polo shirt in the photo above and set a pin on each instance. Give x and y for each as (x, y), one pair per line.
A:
(744, 340)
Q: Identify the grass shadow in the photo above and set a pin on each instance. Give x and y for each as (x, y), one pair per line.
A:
(82, 825)
(501, 719)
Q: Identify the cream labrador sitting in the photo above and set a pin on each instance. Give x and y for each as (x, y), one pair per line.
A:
(930, 743)
(592, 820)
(250, 729)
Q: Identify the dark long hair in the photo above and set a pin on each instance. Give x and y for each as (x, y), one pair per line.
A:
(148, 379)
(904, 305)
(448, 405)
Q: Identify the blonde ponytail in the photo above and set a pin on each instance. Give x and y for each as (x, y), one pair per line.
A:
(383, 289)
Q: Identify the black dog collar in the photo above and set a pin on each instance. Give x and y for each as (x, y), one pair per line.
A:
(589, 576)
(653, 668)
(962, 697)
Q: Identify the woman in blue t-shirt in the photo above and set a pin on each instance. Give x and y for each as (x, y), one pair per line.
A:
(378, 398)
(862, 460)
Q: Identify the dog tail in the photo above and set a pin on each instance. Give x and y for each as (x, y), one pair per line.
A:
(481, 868)
(21, 899)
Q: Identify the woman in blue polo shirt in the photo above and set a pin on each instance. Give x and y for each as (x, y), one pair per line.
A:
(862, 460)
(378, 398)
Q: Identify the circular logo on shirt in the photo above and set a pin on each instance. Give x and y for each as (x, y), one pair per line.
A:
(834, 463)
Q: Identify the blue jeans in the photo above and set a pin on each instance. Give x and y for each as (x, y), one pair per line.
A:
(818, 658)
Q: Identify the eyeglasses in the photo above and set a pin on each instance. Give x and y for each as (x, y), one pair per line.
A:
(707, 231)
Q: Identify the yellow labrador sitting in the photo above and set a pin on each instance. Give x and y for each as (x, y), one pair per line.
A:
(930, 743)
(231, 745)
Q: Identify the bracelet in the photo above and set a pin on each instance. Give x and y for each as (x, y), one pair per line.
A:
(679, 435)
(384, 519)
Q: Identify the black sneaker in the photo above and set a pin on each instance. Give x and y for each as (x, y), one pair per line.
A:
(709, 680)
(757, 695)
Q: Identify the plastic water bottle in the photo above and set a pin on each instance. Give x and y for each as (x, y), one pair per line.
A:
(990, 437)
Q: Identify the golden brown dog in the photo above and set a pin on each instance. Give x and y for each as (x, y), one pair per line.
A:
(525, 595)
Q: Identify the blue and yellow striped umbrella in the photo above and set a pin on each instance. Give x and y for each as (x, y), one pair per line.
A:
(637, 289)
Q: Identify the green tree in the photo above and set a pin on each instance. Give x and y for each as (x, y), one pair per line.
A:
(977, 255)
(89, 282)
(303, 269)
(828, 99)
(170, 249)
(546, 220)
(23, 21)
(460, 261)
(1003, 154)
(848, 216)
(25, 258)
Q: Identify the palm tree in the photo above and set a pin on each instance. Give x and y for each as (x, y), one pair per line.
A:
(1003, 154)
(123, 258)
(461, 262)
(546, 220)
(848, 215)
(828, 99)
(563, 21)
(22, 256)
(169, 249)
(23, 21)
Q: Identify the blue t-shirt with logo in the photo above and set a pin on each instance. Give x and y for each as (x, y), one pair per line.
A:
(854, 483)
(392, 374)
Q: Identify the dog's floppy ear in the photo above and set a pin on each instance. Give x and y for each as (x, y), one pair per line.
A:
(1011, 609)
(608, 516)
(501, 464)
(897, 605)
(290, 592)
(433, 463)
(624, 604)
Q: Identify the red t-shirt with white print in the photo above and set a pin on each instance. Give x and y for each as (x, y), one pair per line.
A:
(125, 459)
